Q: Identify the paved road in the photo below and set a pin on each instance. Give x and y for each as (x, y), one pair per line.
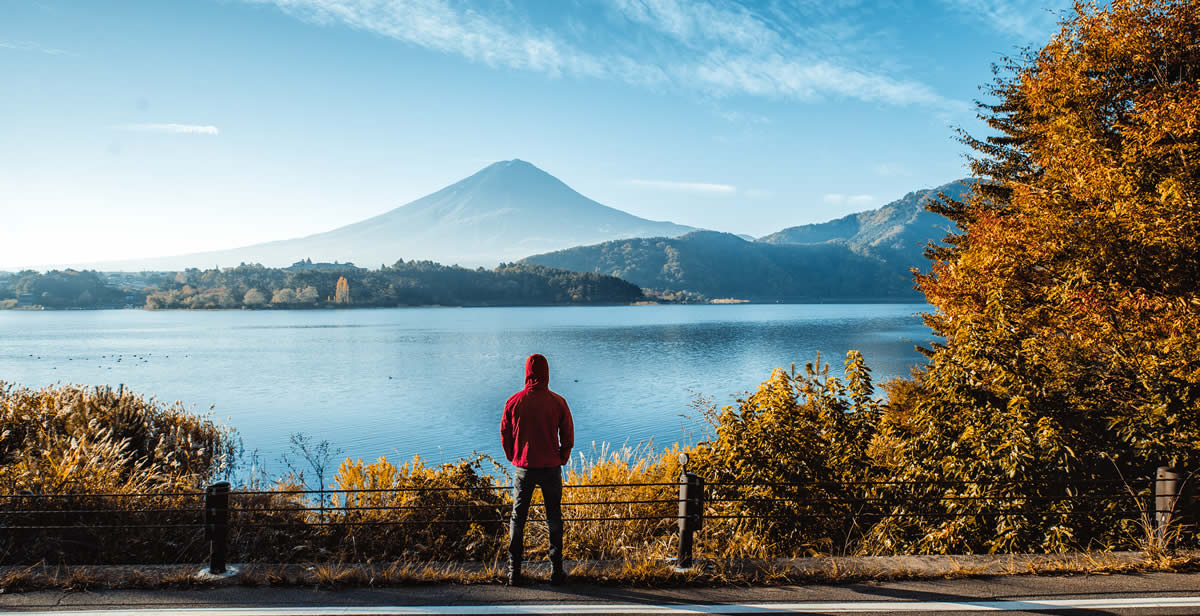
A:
(1157, 593)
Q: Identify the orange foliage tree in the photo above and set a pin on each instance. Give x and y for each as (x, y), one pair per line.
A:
(1069, 301)
(341, 294)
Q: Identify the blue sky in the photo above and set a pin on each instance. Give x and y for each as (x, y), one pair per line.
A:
(146, 128)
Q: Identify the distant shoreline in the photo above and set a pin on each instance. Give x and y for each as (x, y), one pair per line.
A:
(719, 302)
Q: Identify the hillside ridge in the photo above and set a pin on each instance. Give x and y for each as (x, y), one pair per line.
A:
(866, 256)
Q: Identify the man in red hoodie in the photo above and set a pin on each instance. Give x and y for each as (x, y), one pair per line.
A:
(537, 433)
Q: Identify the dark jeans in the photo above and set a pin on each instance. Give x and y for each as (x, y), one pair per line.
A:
(524, 481)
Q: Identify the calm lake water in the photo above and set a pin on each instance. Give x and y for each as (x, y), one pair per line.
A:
(400, 382)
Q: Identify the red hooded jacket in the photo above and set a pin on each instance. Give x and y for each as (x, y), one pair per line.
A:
(537, 430)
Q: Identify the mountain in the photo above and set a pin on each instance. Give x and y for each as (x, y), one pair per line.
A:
(721, 265)
(896, 232)
(863, 256)
(503, 212)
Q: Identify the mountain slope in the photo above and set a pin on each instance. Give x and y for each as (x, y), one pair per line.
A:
(505, 211)
(722, 265)
(863, 256)
(896, 232)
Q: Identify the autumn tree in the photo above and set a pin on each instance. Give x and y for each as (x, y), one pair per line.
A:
(1069, 301)
(308, 295)
(341, 294)
(284, 296)
(254, 299)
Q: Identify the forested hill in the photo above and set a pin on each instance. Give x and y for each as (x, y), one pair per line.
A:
(895, 232)
(320, 285)
(65, 289)
(865, 256)
(413, 283)
(721, 265)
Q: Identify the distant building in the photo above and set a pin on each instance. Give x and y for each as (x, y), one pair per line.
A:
(308, 265)
(129, 281)
(25, 299)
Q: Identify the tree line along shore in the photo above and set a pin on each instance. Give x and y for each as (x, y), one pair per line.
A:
(315, 285)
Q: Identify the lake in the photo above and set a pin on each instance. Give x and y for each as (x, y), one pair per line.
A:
(407, 381)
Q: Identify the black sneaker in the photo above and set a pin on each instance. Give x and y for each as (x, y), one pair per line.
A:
(559, 577)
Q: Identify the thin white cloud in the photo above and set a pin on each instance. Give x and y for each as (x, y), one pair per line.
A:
(744, 117)
(693, 187)
(843, 199)
(439, 26)
(890, 170)
(739, 52)
(31, 46)
(720, 48)
(778, 76)
(1028, 19)
(172, 129)
(698, 23)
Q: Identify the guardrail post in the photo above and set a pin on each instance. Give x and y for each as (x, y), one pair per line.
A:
(1167, 503)
(691, 513)
(216, 524)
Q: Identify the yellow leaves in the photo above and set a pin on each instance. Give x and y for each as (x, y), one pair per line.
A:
(379, 475)
(341, 294)
(803, 428)
(1075, 292)
(65, 435)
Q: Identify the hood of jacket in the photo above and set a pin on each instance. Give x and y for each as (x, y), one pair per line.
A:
(537, 372)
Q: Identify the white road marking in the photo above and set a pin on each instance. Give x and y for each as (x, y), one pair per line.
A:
(660, 608)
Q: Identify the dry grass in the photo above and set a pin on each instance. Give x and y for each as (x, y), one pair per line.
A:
(457, 512)
(642, 573)
(89, 449)
(82, 441)
(643, 529)
(71, 439)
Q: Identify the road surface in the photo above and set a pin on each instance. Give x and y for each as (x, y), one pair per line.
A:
(1154, 593)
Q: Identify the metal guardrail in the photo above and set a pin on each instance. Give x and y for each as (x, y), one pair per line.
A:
(217, 510)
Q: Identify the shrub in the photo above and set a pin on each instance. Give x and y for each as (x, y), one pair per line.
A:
(71, 439)
(784, 453)
(70, 448)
